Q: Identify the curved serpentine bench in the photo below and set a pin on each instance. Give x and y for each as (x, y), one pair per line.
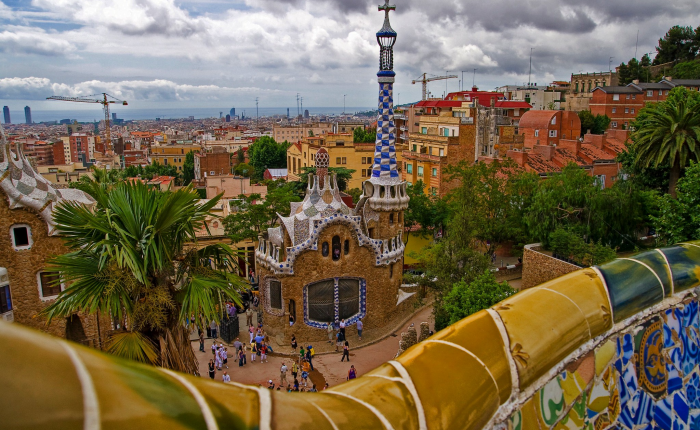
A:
(616, 345)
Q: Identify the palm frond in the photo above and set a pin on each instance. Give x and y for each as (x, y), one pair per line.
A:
(132, 345)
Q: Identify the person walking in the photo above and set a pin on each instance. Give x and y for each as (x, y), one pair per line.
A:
(352, 373)
(283, 375)
(241, 357)
(212, 369)
(346, 351)
(295, 370)
(213, 349)
(218, 360)
(253, 351)
(251, 331)
(302, 353)
(294, 342)
(342, 329)
(226, 378)
(213, 329)
(329, 329)
(305, 372)
(249, 317)
(224, 355)
(263, 353)
(201, 341)
(338, 342)
(309, 355)
(359, 328)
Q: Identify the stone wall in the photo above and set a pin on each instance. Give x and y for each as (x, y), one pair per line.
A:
(23, 267)
(539, 268)
(382, 286)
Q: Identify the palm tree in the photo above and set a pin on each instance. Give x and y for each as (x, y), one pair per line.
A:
(135, 257)
(668, 133)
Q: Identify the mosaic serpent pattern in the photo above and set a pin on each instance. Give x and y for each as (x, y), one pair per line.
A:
(614, 346)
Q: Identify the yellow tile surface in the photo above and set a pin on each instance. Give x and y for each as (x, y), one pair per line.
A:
(475, 398)
(543, 327)
(603, 355)
(479, 334)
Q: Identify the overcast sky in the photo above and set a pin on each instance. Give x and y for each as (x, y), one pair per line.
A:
(220, 53)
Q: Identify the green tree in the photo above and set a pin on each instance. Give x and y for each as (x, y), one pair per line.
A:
(686, 70)
(467, 298)
(355, 193)
(254, 215)
(101, 179)
(188, 169)
(266, 153)
(360, 135)
(243, 169)
(679, 219)
(129, 258)
(240, 156)
(679, 43)
(425, 213)
(643, 178)
(595, 124)
(567, 244)
(668, 133)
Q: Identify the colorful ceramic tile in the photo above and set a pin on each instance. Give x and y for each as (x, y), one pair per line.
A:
(603, 355)
(576, 377)
(600, 395)
(692, 390)
(675, 382)
(672, 326)
(550, 402)
(663, 414)
(642, 408)
(684, 265)
(614, 405)
(576, 418)
(515, 421)
(627, 348)
(632, 287)
(651, 369)
(680, 406)
(690, 353)
(657, 263)
(690, 314)
(694, 421)
(529, 418)
(602, 422)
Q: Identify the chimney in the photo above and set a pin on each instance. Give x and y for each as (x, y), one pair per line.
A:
(636, 81)
(546, 151)
(518, 156)
(493, 101)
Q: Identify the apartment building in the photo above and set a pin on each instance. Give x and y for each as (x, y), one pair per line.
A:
(173, 154)
(549, 127)
(295, 133)
(581, 87)
(539, 97)
(211, 163)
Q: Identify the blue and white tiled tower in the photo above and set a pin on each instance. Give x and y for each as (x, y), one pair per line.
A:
(384, 190)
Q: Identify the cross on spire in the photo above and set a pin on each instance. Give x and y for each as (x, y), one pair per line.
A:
(386, 7)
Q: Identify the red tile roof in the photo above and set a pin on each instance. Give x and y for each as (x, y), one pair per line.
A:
(594, 153)
(565, 156)
(439, 103)
(541, 165)
(537, 119)
(511, 104)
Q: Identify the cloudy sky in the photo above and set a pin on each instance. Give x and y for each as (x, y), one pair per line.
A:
(219, 53)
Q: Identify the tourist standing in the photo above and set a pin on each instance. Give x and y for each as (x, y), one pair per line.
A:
(295, 370)
(329, 329)
(249, 317)
(212, 369)
(359, 328)
(283, 375)
(219, 359)
(224, 355)
(352, 374)
(294, 342)
(342, 329)
(253, 351)
(201, 341)
(346, 351)
(226, 378)
(263, 353)
(309, 355)
(251, 330)
(213, 329)
(241, 357)
(305, 372)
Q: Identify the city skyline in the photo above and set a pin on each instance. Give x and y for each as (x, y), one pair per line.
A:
(162, 53)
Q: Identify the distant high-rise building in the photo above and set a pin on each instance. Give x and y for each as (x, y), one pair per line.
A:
(306, 113)
(28, 115)
(114, 116)
(228, 118)
(6, 113)
(287, 113)
(233, 112)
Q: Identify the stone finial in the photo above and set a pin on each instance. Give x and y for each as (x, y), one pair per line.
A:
(322, 162)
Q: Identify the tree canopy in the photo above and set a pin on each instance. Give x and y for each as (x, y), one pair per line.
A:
(188, 169)
(360, 135)
(467, 298)
(679, 219)
(678, 44)
(266, 153)
(595, 124)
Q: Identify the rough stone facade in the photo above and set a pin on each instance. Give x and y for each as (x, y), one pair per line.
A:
(539, 268)
(23, 267)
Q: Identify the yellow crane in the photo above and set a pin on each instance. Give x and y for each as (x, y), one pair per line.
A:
(424, 79)
(105, 102)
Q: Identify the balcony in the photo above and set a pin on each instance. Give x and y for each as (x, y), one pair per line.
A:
(408, 155)
(403, 128)
(433, 139)
(402, 117)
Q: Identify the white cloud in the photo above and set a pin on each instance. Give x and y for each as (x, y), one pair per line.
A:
(27, 40)
(156, 90)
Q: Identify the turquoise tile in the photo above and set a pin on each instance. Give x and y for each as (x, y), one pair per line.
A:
(657, 263)
(684, 260)
(632, 287)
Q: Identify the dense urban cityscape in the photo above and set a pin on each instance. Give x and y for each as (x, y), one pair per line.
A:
(519, 257)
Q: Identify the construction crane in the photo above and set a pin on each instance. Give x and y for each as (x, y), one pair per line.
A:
(105, 102)
(424, 79)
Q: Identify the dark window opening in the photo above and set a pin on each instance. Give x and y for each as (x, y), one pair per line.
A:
(275, 294)
(391, 218)
(347, 247)
(336, 248)
(292, 311)
(5, 299)
(50, 284)
(370, 233)
(21, 236)
(391, 271)
(324, 249)
(348, 298)
(321, 301)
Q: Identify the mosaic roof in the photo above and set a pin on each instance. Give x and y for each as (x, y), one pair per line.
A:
(25, 188)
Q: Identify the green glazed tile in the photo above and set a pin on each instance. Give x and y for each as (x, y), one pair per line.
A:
(685, 265)
(657, 262)
(632, 287)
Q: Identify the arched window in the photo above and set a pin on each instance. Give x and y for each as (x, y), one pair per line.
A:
(324, 249)
(333, 300)
(347, 247)
(336, 248)
(275, 294)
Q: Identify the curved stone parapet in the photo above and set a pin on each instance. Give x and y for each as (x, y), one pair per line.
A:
(615, 346)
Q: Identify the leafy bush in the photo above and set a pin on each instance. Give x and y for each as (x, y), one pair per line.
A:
(467, 298)
(568, 245)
